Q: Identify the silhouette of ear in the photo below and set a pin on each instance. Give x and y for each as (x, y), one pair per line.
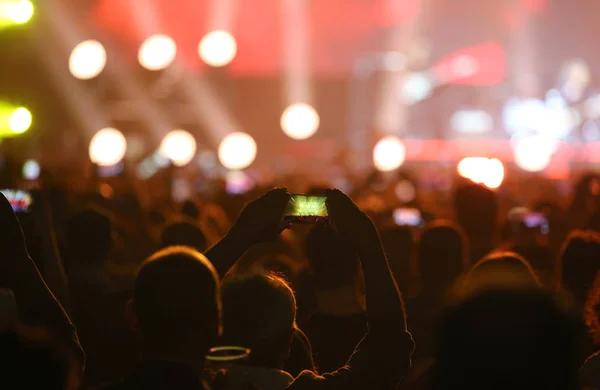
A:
(131, 315)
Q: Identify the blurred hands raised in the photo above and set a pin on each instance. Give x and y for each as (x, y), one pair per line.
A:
(262, 219)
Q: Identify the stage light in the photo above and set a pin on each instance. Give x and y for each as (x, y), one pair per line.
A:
(217, 48)
(179, 146)
(533, 153)
(87, 60)
(494, 174)
(157, 52)
(415, 87)
(576, 77)
(472, 121)
(31, 170)
(16, 11)
(107, 147)
(237, 151)
(482, 170)
(300, 121)
(389, 153)
(20, 120)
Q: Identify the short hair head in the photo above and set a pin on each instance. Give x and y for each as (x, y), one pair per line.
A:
(176, 294)
(332, 259)
(259, 312)
(578, 263)
(183, 232)
(501, 268)
(442, 254)
(508, 338)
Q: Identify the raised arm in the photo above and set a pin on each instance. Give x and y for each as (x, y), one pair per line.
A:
(383, 357)
(384, 303)
(259, 221)
(35, 302)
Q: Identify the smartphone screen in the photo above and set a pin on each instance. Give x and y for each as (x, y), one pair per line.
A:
(306, 207)
(535, 221)
(408, 217)
(19, 200)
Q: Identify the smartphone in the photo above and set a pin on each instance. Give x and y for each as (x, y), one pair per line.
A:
(408, 217)
(306, 208)
(533, 220)
(19, 200)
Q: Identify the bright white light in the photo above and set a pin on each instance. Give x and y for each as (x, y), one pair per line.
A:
(472, 121)
(299, 121)
(576, 76)
(524, 115)
(107, 147)
(237, 151)
(179, 146)
(31, 170)
(389, 153)
(217, 48)
(552, 118)
(494, 173)
(87, 60)
(415, 87)
(20, 120)
(533, 153)
(18, 12)
(482, 170)
(157, 52)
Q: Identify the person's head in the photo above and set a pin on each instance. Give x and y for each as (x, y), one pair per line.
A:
(183, 232)
(508, 338)
(33, 361)
(578, 263)
(332, 259)
(176, 304)
(476, 210)
(592, 310)
(89, 236)
(398, 244)
(259, 312)
(442, 255)
(500, 268)
(190, 209)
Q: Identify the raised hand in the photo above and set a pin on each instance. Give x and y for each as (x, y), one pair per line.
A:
(350, 221)
(262, 219)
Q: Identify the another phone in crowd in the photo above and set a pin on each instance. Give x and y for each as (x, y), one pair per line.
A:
(19, 200)
(533, 220)
(408, 217)
(306, 209)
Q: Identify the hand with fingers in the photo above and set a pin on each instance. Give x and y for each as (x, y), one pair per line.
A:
(262, 219)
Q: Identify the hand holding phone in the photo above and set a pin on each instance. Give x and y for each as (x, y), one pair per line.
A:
(350, 221)
(19, 200)
(306, 209)
(261, 219)
(408, 217)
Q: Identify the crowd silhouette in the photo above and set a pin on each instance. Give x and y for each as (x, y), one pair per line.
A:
(104, 293)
